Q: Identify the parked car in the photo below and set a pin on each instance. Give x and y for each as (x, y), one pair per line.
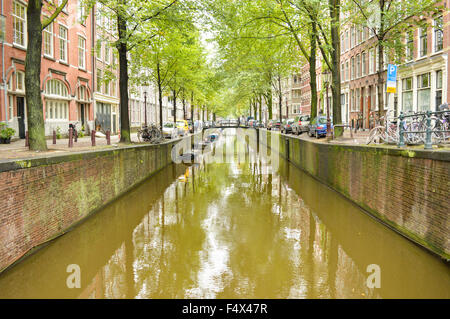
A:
(318, 127)
(169, 130)
(301, 124)
(286, 127)
(183, 127)
(273, 124)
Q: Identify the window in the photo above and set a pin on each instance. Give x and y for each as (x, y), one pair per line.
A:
(63, 43)
(99, 80)
(98, 49)
(438, 89)
(358, 100)
(358, 66)
(423, 92)
(423, 42)
(409, 46)
(107, 86)
(56, 104)
(48, 40)
(19, 24)
(407, 94)
(20, 81)
(56, 88)
(353, 68)
(107, 53)
(371, 61)
(81, 12)
(114, 88)
(81, 52)
(82, 94)
(347, 71)
(353, 40)
(65, 7)
(438, 34)
(10, 107)
(364, 64)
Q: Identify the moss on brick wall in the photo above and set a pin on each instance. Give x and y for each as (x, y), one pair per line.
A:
(44, 197)
(407, 190)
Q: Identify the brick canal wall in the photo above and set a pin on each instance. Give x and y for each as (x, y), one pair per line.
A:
(41, 198)
(407, 190)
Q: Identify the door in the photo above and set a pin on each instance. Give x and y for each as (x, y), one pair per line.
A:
(21, 115)
(114, 128)
(82, 114)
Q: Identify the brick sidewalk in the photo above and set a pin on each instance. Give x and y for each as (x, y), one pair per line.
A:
(17, 148)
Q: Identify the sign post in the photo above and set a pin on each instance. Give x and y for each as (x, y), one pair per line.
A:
(391, 83)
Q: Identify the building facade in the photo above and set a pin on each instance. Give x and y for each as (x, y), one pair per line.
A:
(66, 70)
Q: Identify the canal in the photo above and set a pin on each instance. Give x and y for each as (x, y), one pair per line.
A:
(239, 229)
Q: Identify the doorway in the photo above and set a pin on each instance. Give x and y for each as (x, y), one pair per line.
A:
(21, 116)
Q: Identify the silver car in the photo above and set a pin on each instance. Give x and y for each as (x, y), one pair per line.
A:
(301, 124)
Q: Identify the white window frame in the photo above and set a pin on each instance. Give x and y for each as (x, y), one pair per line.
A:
(20, 79)
(63, 43)
(434, 34)
(19, 19)
(48, 32)
(82, 52)
(419, 53)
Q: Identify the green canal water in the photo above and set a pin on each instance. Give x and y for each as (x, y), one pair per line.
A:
(240, 229)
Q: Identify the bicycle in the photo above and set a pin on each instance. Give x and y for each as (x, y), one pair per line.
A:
(149, 133)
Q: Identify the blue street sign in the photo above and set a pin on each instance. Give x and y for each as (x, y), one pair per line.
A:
(391, 79)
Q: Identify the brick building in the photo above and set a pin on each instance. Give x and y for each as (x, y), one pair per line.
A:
(106, 71)
(66, 70)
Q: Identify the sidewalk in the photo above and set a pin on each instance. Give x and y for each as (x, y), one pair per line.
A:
(17, 148)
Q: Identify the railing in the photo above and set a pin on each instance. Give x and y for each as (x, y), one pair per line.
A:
(422, 129)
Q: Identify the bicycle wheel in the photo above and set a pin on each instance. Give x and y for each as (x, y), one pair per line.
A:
(375, 135)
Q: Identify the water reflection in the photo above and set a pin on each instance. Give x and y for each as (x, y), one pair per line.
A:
(229, 230)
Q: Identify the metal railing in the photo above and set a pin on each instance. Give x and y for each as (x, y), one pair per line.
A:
(426, 128)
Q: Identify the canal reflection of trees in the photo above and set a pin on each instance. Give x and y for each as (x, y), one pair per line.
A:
(229, 230)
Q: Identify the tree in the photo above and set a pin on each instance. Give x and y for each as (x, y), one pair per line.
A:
(387, 20)
(135, 20)
(35, 114)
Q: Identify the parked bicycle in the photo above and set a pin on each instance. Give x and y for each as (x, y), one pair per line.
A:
(149, 133)
(73, 126)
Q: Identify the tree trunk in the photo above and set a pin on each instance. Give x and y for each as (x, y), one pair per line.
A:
(312, 71)
(123, 78)
(336, 63)
(174, 106)
(184, 108)
(280, 99)
(35, 114)
(260, 108)
(381, 59)
(158, 71)
(192, 107)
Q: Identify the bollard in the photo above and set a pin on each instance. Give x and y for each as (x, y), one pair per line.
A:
(54, 137)
(27, 141)
(428, 142)
(75, 135)
(93, 137)
(70, 137)
(108, 137)
(401, 140)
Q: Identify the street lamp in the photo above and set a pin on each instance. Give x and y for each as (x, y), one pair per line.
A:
(326, 78)
(145, 108)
